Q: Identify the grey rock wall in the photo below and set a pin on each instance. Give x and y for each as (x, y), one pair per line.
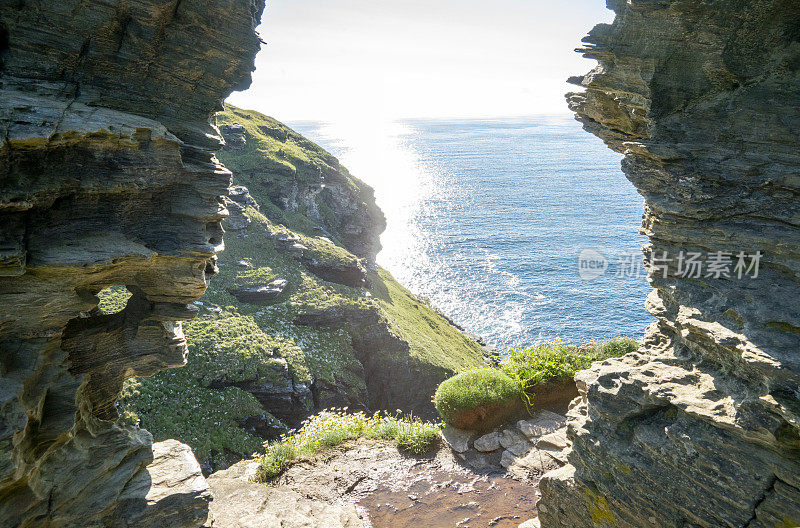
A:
(701, 426)
(107, 177)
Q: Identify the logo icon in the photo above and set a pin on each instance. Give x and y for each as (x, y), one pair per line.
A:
(591, 264)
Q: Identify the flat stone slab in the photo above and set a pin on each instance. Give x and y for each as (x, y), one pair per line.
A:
(241, 503)
(507, 459)
(457, 439)
(553, 441)
(542, 423)
(514, 442)
(259, 294)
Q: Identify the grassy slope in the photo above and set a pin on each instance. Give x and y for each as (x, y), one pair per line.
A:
(231, 342)
(276, 157)
(432, 338)
(331, 428)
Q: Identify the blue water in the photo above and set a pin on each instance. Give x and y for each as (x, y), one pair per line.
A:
(487, 219)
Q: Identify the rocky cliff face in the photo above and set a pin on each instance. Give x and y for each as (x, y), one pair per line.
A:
(108, 177)
(701, 426)
(299, 317)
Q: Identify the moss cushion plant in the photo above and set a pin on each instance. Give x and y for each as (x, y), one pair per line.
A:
(478, 399)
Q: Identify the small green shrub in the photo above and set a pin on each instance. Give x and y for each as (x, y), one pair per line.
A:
(556, 360)
(468, 390)
(416, 437)
(332, 427)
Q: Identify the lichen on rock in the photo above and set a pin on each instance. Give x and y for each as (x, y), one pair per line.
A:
(700, 426)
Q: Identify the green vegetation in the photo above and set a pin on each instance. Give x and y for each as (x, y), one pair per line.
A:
(174, 405)
(520, 371)
(473, 388)
(276, 158)
(113, 299)
(230, 347)
(271, 147)
(234, 345)
(432, 339)
(556, 360)
(225, 348)
(331, 428)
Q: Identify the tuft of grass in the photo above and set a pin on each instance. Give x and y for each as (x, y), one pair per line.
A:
(332, 427)
(468, 390)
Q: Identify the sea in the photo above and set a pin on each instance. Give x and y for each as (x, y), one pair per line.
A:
(521, 230)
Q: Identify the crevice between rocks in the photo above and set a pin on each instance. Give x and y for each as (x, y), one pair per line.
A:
(770, 488)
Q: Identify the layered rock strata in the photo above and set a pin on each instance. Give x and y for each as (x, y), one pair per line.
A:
(108, 177)
(701, 426)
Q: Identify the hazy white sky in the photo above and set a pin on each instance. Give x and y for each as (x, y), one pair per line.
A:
(327, 59)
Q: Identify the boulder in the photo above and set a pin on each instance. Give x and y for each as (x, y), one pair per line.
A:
(237, 201)
(457, 439)
(507, 459)
(542, 423)
(554, 441)
(513, 441)
(487, 442)
(234, 135)
(170, 491)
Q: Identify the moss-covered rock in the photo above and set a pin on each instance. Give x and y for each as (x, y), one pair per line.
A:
(301, 185)
(339, 332)
(478, 400)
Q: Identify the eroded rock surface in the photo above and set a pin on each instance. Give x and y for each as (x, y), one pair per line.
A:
(170, 491)
(240, 502)
(701, 426)
(107, 177)
(392, 489)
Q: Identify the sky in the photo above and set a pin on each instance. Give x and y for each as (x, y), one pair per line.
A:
(394, 59)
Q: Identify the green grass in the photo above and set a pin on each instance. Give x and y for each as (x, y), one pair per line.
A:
(520, 371)
(432, 339)
(327, 253)
(333, 427)
(224, 349)
(113, 299)
(468, 390)
(276, 158)
(259, 342)
(174, 405)
(273, 147)
(552, 361)
(230, 347)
